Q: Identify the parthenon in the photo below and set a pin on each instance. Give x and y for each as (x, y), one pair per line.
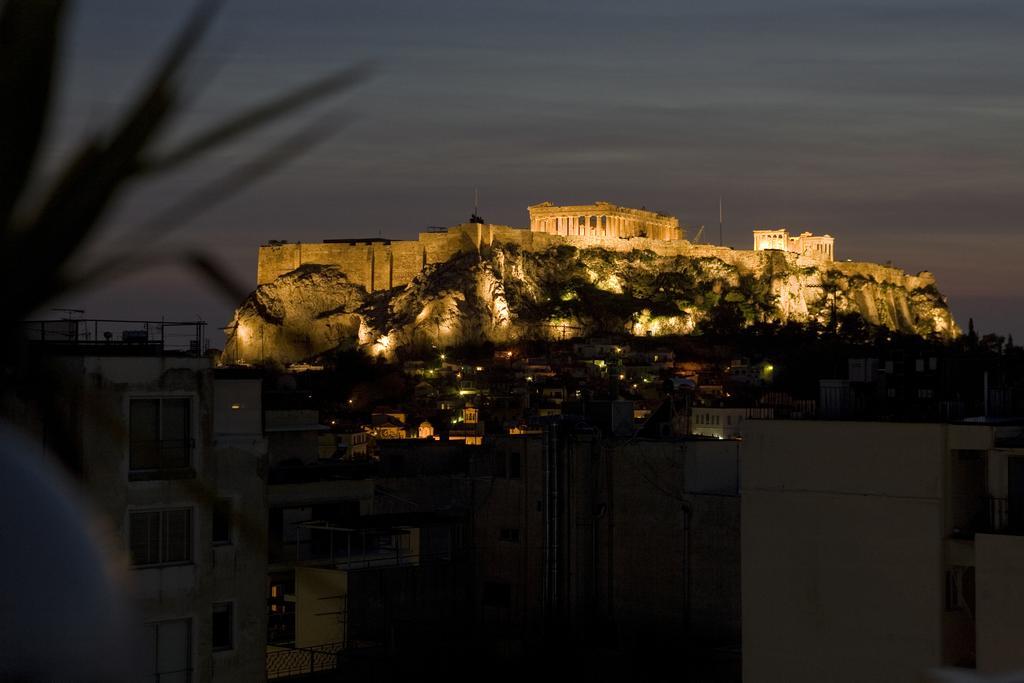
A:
(602, 219)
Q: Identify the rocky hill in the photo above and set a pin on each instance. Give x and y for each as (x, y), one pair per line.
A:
(505, 293)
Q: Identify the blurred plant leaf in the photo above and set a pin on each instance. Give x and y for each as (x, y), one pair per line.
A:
(245, 122)
(217, 275)
(28, 52)
(75, 204)
(245, 175)
(135, 259)
(47, 238)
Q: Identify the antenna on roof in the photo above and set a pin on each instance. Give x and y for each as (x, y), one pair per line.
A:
(475, 218)
(720, 221)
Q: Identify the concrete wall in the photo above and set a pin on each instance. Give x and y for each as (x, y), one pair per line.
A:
(999, 581)
(320, 597)
(676, 543)
(511, 503)
(239, 568)
(237, 407)
(842, 528)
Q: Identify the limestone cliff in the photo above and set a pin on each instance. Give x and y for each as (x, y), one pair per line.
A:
(504, 293)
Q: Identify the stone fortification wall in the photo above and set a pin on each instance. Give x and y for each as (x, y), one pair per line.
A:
(384, 264)
(374, 264)
(381, 295)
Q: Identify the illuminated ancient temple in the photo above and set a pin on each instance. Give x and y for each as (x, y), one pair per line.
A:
(602, 219)
(814, 246)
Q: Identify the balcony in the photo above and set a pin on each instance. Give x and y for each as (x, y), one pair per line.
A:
(1004, 516)
(289, 662)
(987, 515)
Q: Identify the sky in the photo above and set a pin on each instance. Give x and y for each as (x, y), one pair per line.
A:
(893, 125)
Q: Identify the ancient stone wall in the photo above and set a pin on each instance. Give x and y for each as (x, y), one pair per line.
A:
(384, 264)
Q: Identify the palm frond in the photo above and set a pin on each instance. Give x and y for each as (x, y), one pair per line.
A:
(47, 237)
(29, 31)
(268, 112)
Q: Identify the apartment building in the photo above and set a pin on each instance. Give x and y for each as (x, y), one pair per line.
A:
(171, 453)
(876, 551)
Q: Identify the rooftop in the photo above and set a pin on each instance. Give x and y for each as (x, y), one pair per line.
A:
(94, 336)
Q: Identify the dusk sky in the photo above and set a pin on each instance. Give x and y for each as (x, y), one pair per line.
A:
(894, 126)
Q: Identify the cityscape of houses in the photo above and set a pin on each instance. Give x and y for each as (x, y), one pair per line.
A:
(629, 504)
(604, 446)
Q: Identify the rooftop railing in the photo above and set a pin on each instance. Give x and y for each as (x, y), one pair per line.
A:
(288, 662)
(121, 336)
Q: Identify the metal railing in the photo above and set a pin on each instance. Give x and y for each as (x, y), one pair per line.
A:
(187, 337)
(998, 517)
(301, 661)
(177, 676)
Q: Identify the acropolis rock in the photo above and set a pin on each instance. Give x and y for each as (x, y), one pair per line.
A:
(577, 270)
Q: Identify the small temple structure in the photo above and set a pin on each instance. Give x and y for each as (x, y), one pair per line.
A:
(814, 246)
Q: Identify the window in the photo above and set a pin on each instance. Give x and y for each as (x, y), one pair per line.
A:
(221, 521)
(513, 465)
(281, 620)
(496, 594)
(223, 626)
(500, 464)
(509, 535)
(160, 436)
(170, 644)
(960, 589)
(160, 537)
